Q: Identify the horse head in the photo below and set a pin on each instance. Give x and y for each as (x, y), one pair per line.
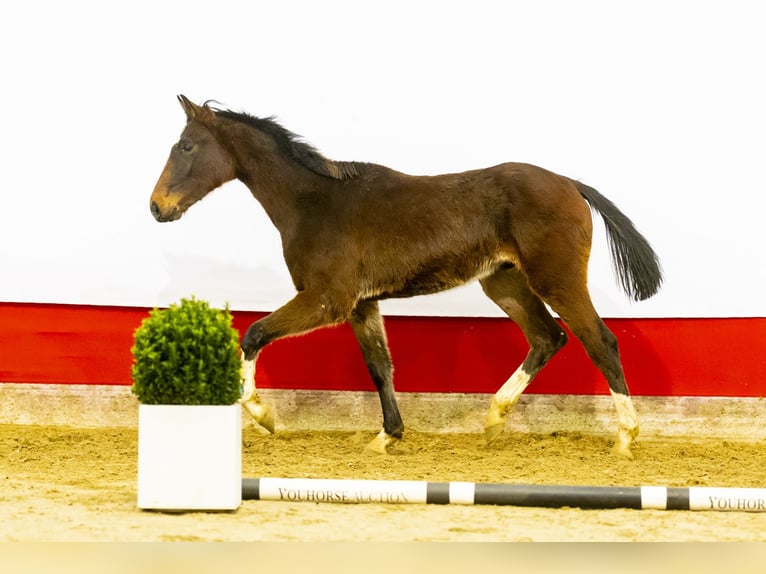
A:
(198, 164)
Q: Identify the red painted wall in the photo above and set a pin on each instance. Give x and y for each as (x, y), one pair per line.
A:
(71, 344)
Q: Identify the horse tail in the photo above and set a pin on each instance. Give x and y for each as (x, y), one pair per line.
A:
(635, 262)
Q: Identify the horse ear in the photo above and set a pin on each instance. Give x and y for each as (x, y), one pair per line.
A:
(195, 112)
(187, 106)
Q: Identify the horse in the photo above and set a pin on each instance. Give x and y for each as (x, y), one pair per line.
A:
(356, 233)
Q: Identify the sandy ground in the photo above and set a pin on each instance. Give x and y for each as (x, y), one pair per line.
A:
(70, 484)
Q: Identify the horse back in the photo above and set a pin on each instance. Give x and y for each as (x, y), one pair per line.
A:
(395, 235)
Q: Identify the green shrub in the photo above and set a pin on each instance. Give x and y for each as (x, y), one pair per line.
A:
(187, 354)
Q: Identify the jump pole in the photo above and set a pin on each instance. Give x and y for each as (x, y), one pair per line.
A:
(351, 491)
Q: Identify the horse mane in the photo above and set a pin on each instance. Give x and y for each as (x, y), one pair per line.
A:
(294, 145)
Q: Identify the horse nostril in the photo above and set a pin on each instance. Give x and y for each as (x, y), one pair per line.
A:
(155, 210)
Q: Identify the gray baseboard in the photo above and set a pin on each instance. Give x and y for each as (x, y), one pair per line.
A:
(89, 406)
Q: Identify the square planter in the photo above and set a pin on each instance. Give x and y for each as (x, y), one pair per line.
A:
(189, 457)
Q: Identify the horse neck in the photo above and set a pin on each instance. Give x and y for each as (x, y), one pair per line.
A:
(276, 182)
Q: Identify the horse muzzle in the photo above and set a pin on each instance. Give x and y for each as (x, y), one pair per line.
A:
(164, 215)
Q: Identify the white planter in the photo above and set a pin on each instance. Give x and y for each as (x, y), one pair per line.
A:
(189, 457)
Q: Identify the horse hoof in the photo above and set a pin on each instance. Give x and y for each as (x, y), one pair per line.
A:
(379, 445)
(494, 422)
(621, 448)
(491, 432)
(262, 415)
(374, 449)
(622, 452)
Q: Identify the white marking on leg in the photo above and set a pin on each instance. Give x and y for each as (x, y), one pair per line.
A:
(503, 401)
(261, 413)
(627, 423)
(247, 379)
(510, 392)
(626, 414)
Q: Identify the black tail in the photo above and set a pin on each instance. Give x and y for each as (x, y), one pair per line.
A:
(635, 262)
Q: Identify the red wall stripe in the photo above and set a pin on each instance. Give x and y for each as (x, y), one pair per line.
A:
(79, 344)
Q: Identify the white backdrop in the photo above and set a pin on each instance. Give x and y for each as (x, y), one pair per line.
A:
(659, 105)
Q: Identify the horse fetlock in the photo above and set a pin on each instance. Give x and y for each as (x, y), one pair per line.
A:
(394, 429)
(622, 444)
(248, 393)
(624, 440)
(627, 423)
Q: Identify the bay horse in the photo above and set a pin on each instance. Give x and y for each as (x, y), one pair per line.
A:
(356, 233)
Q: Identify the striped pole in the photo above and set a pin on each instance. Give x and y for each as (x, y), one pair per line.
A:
(351, 491)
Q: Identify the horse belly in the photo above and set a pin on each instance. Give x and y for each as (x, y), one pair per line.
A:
(440, 275)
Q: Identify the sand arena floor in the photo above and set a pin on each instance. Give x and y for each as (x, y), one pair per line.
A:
(62, 483)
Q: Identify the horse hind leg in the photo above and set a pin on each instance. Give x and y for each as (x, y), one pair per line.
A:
(367, 325)
(508, 288)
(601, 345)
(575, 308)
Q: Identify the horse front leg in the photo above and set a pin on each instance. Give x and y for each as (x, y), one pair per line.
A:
(306, 311)
(367, 324)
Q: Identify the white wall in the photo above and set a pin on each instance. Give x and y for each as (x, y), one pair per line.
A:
(659, 105)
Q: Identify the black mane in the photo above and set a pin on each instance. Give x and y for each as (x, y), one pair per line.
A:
(293, 145)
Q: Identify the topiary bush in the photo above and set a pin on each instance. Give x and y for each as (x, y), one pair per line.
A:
(187, 354)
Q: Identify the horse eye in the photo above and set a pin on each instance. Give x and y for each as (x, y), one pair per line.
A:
(185, 147)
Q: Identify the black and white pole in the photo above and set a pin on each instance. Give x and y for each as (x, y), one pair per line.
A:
(351, 491)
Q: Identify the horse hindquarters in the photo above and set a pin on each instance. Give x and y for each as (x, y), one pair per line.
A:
(560, 279)
(552, 237)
